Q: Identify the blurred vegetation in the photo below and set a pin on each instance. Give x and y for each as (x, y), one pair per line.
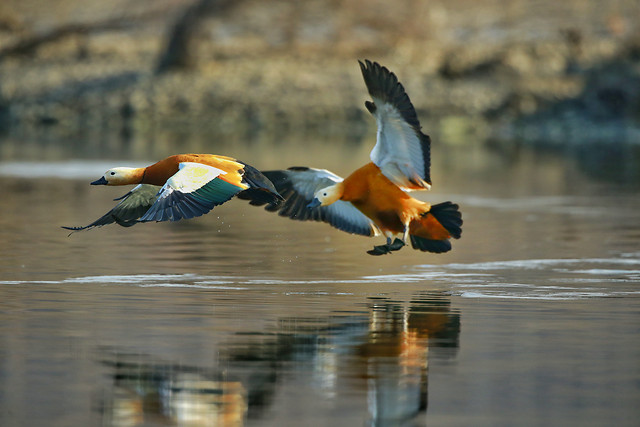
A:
(541, 72)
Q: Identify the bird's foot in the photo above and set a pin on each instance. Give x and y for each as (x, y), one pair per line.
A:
(396, 245)
(379, 250)
(387, 248)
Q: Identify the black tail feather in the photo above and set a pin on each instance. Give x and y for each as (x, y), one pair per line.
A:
(428, 245)
(449, 216)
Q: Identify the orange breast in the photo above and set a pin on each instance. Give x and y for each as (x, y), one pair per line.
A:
(377, 197)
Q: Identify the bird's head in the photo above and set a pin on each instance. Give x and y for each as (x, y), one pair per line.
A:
(118, 176)
(326, 196)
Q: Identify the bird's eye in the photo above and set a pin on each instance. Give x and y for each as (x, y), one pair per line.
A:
(324, 194)
(112, 173)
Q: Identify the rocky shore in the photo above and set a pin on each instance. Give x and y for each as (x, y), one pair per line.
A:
(264, 71)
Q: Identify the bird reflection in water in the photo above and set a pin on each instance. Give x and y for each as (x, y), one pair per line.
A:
(394, 361)
(381, 352)
(148, 393)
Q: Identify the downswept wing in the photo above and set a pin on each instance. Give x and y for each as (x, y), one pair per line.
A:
(402, 151)
(298, 185)
(192, 191)
(128, 211)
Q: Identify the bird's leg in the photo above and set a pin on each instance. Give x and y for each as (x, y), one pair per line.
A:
(399, 244)
(390, 246)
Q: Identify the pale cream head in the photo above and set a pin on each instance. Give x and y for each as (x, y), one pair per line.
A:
(328, 195)
(119, 176)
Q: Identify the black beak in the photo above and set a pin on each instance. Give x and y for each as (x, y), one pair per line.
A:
(314, 203)
(100, 181)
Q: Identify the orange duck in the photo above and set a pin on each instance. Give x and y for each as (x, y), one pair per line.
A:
(374, 199)
(182, 186)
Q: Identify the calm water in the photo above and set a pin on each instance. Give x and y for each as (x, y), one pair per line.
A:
(245, 318)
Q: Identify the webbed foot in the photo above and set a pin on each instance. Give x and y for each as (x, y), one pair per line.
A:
(396, 245)
(387, 248)
(380, 250)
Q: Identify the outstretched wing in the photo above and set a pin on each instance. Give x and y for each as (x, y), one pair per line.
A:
(192, 191)
(132, 206)
(402, 151)
(298, 185)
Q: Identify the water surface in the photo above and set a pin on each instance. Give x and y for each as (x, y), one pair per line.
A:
(245, 318)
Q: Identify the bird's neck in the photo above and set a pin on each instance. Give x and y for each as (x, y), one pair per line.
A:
(134, 175)
(337, 192)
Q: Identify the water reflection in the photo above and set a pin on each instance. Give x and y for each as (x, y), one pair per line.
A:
(146, 392)
(380, 353)
(393, 357)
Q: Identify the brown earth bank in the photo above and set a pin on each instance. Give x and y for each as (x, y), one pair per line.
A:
(536, 72)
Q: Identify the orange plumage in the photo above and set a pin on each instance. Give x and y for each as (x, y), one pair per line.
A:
(159, 172)
(380, 199)
(375, 198)
(182, 186)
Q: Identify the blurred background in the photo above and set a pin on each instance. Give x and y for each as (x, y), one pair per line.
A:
(161, 76)
(242, 317)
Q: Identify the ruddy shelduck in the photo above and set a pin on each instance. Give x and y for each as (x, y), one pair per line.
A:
(182, 186)
(374, 199)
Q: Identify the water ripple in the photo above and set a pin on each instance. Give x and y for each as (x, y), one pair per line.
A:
(552, 279)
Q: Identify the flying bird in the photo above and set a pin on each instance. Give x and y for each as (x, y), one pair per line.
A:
(375, 199)
(182, 186)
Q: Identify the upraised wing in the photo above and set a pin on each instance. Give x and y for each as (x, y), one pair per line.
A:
(298, 185)
(402, 151)
(132, 206)
(192, 191)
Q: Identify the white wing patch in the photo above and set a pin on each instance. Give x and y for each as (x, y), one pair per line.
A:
(398, 151)
(306, 183)
(192, 176)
